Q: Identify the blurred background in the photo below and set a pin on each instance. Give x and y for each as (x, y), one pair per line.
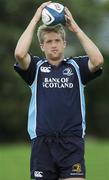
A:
(93, 17)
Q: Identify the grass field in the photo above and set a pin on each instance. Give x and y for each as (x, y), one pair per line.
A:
(14, 161)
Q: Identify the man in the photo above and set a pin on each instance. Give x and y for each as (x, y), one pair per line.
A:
(56, 121)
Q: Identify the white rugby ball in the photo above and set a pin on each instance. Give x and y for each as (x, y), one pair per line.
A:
(53, 14)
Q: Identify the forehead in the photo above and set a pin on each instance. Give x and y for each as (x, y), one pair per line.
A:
(52, 36)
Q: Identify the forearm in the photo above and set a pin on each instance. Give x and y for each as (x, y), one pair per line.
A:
(95, 56)
(90, 48)
(25, 40)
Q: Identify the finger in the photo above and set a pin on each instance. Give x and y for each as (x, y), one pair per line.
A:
(45, 4)
(67, 12)
(67, 18)
(66, 9)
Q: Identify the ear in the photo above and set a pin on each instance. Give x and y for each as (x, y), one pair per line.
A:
(65, 44)
(42, 47)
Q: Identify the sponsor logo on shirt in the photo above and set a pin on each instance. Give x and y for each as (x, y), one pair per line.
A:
(38, 174)
(57, 83)
(45, 69)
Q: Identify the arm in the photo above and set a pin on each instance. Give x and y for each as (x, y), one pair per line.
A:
(95, 56)
(23, 45)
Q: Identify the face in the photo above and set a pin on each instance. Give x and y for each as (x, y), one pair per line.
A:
(53, 46)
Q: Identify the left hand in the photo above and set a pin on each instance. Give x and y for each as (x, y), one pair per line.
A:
(70, 22)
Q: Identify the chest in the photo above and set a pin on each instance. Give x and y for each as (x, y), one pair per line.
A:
(62, 77)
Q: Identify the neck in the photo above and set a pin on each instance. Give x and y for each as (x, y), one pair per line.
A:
(55, 62)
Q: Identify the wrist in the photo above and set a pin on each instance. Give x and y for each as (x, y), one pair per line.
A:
(35, 20)
(33, 23)
(74, 27)
(79, 32)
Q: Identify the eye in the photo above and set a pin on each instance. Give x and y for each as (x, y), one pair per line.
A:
(57, 40)
(48, 42)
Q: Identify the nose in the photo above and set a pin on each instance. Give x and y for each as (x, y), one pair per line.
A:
(54, 44)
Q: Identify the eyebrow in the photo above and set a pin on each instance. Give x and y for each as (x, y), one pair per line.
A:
(56, 39)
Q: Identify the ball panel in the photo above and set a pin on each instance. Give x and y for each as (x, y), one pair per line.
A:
(47, 17)
(53, 14)
(56, 6)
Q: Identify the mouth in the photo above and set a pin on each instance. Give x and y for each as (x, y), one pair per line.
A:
(54, 50)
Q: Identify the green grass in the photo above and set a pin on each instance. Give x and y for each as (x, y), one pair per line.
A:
(97, 160)
(14, 161)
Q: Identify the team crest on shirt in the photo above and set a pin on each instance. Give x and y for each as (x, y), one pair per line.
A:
(67, 71)
(45, 69)
(76, 168)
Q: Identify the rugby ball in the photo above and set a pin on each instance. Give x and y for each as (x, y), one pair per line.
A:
(53, 14)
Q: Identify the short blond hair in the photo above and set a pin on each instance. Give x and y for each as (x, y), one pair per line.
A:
(43, 29)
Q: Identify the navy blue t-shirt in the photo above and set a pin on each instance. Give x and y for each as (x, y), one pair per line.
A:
(57, 103)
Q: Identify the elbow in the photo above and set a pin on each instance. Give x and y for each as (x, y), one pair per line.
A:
(18, 55)
(100, 61)
(96, 63)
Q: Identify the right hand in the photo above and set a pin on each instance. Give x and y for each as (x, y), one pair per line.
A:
(39, 10)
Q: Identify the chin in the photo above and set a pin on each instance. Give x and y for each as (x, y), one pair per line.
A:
(55, 57)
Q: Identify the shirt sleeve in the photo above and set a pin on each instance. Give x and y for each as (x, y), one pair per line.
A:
(27, 75)
(86, 74)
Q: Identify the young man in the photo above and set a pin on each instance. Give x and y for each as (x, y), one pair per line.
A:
(56, 121)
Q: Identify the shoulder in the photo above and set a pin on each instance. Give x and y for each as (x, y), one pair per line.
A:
(77, 59)
(37, 59)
